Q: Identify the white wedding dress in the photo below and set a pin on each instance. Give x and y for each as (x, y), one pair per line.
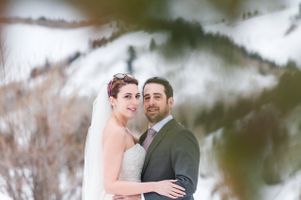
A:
(131, 167)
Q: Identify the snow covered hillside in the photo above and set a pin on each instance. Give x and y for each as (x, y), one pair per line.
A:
(275, 36)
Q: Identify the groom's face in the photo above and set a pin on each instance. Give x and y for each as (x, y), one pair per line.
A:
(155, 103)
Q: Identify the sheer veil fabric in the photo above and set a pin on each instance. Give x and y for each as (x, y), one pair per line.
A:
(93, 188)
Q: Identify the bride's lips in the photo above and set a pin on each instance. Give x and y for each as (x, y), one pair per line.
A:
(132, 109)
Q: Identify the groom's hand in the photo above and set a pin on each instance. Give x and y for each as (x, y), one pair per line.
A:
(130, 197)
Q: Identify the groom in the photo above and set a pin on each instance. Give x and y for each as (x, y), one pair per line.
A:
(172, 150)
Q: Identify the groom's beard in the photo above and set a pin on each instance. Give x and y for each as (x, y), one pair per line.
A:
(157, 116)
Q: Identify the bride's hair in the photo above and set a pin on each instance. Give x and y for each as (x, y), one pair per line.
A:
(118, 81)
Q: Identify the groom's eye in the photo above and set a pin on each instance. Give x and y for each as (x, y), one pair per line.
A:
(157, 96)
(146, 98)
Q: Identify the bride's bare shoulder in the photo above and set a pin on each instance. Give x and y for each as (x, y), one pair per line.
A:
(114, 132)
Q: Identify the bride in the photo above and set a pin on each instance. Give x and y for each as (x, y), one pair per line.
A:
(113, 161)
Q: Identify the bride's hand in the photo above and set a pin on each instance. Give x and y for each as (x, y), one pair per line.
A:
(170, 189)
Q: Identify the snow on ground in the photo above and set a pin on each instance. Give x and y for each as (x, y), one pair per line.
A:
(4, 197)
(288, 190)
(30, 46)
(266, 35)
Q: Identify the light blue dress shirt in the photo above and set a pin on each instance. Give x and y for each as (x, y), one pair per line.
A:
(157, 127)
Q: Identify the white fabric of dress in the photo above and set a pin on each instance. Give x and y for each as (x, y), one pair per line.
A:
(132, 164)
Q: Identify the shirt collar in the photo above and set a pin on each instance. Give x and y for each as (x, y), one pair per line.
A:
(157, 127)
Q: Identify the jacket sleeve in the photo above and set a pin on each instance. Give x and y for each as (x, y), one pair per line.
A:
(185, 155)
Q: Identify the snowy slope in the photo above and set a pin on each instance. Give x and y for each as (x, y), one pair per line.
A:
(266, 35)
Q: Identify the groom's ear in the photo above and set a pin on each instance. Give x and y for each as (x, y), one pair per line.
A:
(170, 102)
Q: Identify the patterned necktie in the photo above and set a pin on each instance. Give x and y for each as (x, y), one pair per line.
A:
(149, 138)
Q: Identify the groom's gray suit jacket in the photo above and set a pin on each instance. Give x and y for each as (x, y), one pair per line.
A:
(173, 154)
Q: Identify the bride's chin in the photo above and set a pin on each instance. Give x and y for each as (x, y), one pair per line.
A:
(131, 115)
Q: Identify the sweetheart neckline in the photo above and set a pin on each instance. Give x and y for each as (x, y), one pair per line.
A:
(132, 147)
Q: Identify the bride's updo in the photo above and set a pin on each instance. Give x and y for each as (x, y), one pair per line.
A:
(118, 81)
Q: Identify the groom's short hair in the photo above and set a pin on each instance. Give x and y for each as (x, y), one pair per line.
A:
(162, 81)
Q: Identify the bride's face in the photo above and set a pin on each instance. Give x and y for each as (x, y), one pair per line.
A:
(127, 100)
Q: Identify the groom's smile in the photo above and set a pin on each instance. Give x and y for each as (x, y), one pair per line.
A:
(153, 110)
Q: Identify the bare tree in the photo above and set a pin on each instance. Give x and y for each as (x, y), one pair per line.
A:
(2, 58)
(41, 139)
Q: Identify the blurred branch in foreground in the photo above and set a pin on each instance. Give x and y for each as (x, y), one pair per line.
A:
(260, 141)
(141, 11)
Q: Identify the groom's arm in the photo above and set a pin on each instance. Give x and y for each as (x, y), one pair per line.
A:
(185, 155)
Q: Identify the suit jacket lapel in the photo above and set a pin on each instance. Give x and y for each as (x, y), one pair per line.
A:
(158, 138)
(142, 138)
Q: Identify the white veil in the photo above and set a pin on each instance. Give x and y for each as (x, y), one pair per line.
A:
(93, 188)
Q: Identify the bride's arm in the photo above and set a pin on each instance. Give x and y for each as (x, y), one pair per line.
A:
(113, 149)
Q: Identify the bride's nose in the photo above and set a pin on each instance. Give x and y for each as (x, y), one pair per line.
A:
(135, 101)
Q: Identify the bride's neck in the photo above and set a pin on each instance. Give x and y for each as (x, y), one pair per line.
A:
(120, 120)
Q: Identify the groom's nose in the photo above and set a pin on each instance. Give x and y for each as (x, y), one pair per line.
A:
(151, 101)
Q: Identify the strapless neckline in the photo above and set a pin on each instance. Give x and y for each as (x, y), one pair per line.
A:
(133, 147)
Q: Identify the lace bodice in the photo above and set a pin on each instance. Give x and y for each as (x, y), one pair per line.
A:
(132, 164)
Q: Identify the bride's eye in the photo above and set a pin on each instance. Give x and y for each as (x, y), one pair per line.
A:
(138, 96)
(127, 96)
